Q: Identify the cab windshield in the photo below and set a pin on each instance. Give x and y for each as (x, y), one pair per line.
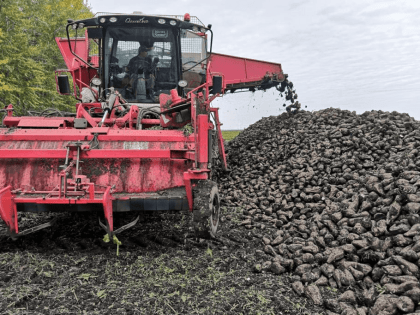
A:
(140, 62)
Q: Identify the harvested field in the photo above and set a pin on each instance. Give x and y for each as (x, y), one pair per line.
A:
(334, 198)
(229, 135)
(67, 269)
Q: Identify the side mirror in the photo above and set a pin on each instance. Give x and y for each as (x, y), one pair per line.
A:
(95, 33)
(63, 86)
(217, 84)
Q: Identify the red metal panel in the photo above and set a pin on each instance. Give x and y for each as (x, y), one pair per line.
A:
(203, 138)
(111, 148)
(242, 70)
(81, 112)
(131, 175)
(79, 46)
(58, 201)
(42, 121)
(190, 175)
(93, 154)
(86, 134)
(129, 164)
(95, 61)
(107, 203)
(150, 121)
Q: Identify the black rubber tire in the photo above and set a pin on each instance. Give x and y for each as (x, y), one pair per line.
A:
(206, 210)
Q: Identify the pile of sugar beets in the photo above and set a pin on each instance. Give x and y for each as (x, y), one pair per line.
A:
(336, 198)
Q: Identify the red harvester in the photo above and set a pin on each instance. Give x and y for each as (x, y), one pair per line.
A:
(144, 136)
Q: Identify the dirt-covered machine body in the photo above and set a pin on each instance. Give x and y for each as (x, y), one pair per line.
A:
(144, 135)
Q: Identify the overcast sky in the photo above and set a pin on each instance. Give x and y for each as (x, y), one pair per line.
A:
(358, 55)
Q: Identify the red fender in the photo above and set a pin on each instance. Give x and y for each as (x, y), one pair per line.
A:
(8, 210)
(107, 203)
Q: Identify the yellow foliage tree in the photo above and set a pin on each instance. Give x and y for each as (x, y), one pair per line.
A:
(29, 54)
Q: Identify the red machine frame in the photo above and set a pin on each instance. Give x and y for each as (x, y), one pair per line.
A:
(28, 141)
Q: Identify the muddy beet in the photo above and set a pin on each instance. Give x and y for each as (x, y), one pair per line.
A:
(338, 196)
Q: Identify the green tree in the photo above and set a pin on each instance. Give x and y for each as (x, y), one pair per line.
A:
(29, 54)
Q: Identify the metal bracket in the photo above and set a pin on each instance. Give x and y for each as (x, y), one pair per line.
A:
(121, 229)
(15, 236)
(127, 226)
(105, 227)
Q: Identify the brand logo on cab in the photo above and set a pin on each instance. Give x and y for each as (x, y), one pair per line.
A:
(142, 20)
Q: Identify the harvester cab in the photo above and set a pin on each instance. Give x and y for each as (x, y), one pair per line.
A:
(144, 136)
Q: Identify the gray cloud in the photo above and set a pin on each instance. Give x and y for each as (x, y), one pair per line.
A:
(357, 55)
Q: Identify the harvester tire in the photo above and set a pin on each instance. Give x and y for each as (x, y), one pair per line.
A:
(206, 209)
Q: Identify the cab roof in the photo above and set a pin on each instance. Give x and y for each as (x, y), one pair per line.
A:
(120, 19)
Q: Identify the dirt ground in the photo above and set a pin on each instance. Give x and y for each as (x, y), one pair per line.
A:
(161, 269)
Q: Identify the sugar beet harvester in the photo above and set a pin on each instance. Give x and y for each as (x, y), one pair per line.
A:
(144, 136)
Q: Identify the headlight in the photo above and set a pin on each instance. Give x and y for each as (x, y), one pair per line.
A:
(161, 21)
(182, 83)
(102, 20)
(96, 81)
(113, 19)
(203, 30)
(74, 26)
(81, 25)
(195, 28)
(172, 22)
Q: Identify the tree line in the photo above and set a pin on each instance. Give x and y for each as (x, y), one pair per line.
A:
(29, 54)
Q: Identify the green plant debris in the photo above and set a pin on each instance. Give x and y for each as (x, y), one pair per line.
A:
(157, 127)
(114, 240)
(101, 294)
(187, 129)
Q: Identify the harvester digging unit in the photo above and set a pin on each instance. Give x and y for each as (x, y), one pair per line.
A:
(144, 136)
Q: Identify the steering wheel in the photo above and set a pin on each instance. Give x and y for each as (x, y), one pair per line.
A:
(138, 66)
(143, 67)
